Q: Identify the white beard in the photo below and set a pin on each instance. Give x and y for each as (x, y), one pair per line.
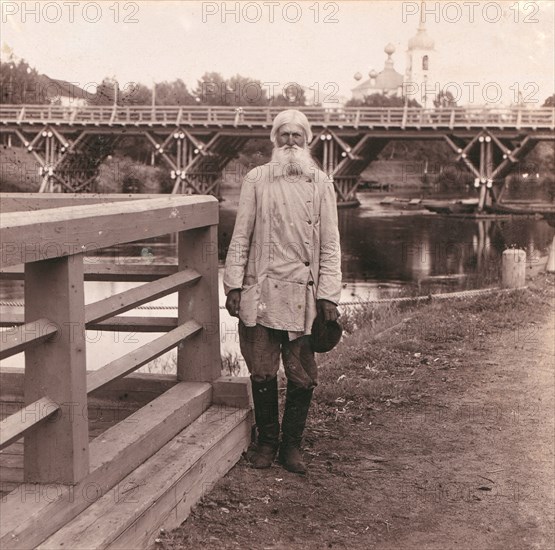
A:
(292, 161)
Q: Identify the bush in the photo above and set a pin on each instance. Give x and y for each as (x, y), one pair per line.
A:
(120, 174)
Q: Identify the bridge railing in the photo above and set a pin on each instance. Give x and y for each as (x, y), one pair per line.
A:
(49, 245)
(198, 115)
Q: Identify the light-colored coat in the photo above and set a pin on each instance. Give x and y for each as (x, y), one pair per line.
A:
(286, 237)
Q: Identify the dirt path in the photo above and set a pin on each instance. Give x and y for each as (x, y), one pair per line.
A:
(478, 470)
(466, 462)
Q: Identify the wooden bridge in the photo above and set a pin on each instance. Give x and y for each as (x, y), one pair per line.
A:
(105, 458)
(197, 142)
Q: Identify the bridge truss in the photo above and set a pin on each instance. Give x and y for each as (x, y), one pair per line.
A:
(196, 143)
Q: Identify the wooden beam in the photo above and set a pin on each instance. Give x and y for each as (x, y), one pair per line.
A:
(233, 391)
(130, 299)
(134, 390)
(29, 515)
(200, 359)
(34, 236)
(58, 451)
(118, 323)
(19, 338)
(135, 324)
(13, 427)
(139, 357)
(106, 272)
(21, 202)
(164, 488)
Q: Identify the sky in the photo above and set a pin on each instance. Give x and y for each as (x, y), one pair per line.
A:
(504, 47)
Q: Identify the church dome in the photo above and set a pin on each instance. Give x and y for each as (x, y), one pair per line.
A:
(389, 79)
(421, 41)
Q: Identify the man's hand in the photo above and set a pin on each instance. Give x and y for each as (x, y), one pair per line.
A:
(327, 309)
(233, 301)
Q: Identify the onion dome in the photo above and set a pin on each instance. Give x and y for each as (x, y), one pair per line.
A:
(421, 41)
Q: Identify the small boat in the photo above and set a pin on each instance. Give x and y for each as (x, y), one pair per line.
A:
(546, 210)
(459, 206)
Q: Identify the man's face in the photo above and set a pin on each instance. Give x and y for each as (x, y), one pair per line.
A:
(290, 134)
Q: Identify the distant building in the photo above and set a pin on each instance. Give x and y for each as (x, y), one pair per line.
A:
(387, 82)
(64, 93)
(421, 66)
(420, 79)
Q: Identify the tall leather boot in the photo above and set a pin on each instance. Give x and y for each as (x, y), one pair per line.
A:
(266, 415)
(297, 403)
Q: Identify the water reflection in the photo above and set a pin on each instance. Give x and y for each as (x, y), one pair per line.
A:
(384, 253)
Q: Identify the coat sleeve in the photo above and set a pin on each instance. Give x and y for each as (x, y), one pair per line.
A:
(329, 279)
(238, 252)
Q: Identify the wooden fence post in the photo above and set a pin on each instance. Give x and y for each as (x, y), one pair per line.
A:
(58, 452)
(513, 268)
(199, 358)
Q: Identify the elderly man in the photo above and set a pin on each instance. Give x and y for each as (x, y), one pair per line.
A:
(283, 267)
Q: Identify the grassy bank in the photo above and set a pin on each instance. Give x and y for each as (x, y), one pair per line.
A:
(364, 443)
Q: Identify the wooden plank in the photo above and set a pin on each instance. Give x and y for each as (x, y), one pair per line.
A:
(233, 391)
(57, 451)
(169, 512)
(115, 324)
(55, 232)
(132, 391)
(11, 475)
(17, 424)
(135, 324)
(11, 461)
(134, 297)
(163, 489)
(21, 202)
(6, 488)
(200, 359)
(139, 357)
(28, 517)
(11, 387)
(19, 338)
(106, 272)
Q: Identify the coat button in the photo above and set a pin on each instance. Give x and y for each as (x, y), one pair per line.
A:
(310, 283)
(309, 222)
(307, 263)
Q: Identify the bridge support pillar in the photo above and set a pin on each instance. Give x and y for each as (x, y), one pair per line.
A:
(490, 159)
(345, 159)
(65, 165)
(196, 165)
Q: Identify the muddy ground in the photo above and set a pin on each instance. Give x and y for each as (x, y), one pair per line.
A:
(437, 433)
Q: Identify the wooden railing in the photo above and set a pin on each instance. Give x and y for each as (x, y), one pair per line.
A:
(48, 246)
(363, 117)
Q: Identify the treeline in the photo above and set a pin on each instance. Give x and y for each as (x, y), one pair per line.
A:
(20, 83)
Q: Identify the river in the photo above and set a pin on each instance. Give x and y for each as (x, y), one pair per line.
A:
(386, 252)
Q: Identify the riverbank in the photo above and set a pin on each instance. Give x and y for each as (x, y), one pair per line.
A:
(431, 428)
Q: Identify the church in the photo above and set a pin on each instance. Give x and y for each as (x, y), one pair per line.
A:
(420, 79)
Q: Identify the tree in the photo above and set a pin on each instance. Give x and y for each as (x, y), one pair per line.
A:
(292, 96)
(173, 93)
(106, 92)
(135, 93)
(382, 100)
(214, 89)
(550, 101)
(444, 100)
(20, 83)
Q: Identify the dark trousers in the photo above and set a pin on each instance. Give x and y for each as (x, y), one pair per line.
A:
(261, 347)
